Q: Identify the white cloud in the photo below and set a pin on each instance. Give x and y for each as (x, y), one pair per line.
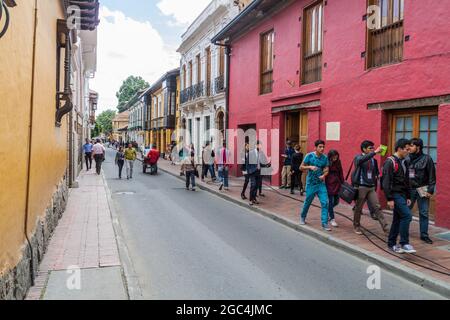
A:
(184, 12)
(128, 47)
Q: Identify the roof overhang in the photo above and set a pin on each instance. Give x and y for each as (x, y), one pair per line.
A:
(89, 11)
(251, 16)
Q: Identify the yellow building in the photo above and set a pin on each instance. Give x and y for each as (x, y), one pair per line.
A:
(34, 133)
(161, 109)
(120, 124)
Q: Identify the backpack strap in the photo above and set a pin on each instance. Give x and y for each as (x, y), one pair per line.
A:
(394, 163)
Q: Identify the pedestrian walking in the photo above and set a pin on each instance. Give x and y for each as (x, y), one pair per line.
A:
(257, 161)
(365, 180)
(286, 171)
(223, 163)
(318, 167)
(87, 148)
(98, 152)
(422, 181)
(189, 169)
(244, 168)
(120, 160)
(334, 181)
(208, 156)
(130, 158)
(296, 173)
(396, 187)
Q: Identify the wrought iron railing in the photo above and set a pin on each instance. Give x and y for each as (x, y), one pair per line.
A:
(192, 93)
(219, 84)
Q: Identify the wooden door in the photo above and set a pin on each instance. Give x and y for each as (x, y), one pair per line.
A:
(421, 124)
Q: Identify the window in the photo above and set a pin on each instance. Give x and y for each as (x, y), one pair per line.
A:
(199, 68)
(207, 128)
(312, 44)
(423, 125)
(190, 73)
(266, 76)
(221, 61)
(184, 77)
(385, 33)
(208, 71)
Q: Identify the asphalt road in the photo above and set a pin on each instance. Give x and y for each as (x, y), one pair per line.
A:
(193, 245)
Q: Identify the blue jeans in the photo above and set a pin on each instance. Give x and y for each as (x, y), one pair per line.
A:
(223, 173)
(333, 202)
(401, 221)
(211, 171)
(321, 191)
(424, 206)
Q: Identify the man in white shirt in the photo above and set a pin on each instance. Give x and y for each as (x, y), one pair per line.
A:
(98, 152)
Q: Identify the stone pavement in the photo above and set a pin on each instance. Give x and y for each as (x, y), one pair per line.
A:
(83, 244)
(281, 206)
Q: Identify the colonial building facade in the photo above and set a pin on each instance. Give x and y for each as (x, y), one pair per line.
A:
(161, 111)
(136, 118)
(339, 71)
(203, 70)
(45, 108)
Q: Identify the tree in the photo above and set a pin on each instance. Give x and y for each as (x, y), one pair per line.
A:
(104, 121)
(128, 89)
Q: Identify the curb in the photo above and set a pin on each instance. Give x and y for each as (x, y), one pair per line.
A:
(130, 278)
(417, 277)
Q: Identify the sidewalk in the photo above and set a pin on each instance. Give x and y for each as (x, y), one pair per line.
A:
(84, 241)
(284, 208)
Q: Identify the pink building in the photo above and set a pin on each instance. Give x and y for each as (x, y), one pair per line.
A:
(345, 71)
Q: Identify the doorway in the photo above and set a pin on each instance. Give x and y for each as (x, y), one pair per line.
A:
(296, 130)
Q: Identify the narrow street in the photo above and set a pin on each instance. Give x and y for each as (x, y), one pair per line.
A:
(186, 245)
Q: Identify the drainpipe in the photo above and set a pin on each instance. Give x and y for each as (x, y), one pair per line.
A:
(227, 84)
(30, 145)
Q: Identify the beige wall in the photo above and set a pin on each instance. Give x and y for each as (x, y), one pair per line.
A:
(49, 143)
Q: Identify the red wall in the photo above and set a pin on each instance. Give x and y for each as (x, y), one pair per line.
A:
(346, 88)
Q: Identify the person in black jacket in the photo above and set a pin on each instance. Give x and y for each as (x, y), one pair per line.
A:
(422, 174)
(365, 179)
(296, 173)
(395, 183)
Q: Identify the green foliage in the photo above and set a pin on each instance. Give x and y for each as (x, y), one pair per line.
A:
(104, 121)
(128, 89)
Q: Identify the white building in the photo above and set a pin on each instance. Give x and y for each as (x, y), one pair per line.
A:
(203, 70)
(83, 68)
(136, 124)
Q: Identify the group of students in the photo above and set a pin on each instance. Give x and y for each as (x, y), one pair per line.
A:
(407, 177)
(189, 165)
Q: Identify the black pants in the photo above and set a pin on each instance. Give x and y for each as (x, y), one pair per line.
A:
(296, 179)
(259, 181)
(88, 158)
(246, 182)
(120, 163)
(98, 163)
(253, 186)
(190, 179)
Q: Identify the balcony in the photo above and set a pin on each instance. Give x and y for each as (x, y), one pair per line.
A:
(219, 84)
(192, 93)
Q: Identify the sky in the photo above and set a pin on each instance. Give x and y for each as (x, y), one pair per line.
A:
(140, 38)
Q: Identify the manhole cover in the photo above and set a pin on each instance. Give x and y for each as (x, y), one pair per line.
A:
(444, 236)
(125, 193)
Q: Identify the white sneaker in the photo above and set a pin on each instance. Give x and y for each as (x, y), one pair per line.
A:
(397, 249)
(302, 222)
(408, 248)
(334, 223)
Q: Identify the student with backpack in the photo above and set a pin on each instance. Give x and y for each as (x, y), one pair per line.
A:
(395, 183)
(365, 180)
(334, 180)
